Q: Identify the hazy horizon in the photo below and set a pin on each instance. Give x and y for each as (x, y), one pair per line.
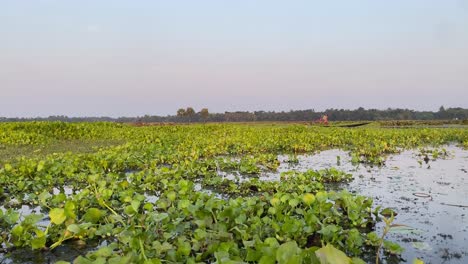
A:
(126, 58)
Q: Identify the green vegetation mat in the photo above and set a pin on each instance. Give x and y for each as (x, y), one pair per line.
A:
(157, 194)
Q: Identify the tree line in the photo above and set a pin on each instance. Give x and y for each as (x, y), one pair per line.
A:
(189, 115)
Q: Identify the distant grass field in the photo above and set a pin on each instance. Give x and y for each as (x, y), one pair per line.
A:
(11, 152)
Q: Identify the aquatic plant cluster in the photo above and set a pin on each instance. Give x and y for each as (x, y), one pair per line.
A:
(163, 195)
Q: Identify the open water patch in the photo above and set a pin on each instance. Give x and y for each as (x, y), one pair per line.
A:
(431, 198)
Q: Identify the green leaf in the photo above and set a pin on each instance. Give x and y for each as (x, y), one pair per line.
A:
(183, 204)
(184, 248)
(331, 255)
(103, 252)
(172, 196)
(289, 253)
(82, 260)
(393, 248)
(284, 198)
(40, 165)
(93, 215)
(44, 196)
(160, 216)
(254, 255)
(11, 217)
(148, 206)
(8, 167)
(130, 210)
(357, 261)
(321, 196)
(267, 260)
(74, 228)
(70, 209)
(293, 202)
(151, 261)
(275, 201)
(308, 198)
(135, 205)
(17, 231)
(39, 241)
(57, 216)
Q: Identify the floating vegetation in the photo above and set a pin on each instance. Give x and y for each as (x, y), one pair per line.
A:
(201, 193)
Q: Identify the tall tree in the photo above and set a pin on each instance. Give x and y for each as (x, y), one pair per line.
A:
(204, 114)
(181, 112)
(189, 112)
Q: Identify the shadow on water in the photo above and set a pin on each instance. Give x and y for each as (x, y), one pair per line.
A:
(66, 252)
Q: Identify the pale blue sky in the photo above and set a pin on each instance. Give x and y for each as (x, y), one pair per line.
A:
(127, 58)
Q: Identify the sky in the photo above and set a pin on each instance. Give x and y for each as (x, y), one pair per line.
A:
(131, 58)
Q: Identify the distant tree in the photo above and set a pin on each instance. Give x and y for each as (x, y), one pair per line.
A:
(442, 114)
(181, 112)
(189, 112)
(188, 115)
(204, 114)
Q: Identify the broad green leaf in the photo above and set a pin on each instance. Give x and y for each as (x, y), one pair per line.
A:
(17, 231)
(57, 216)
(184, 248)
(135, 205)
(93, 215)
(331, 255)
(267, 260)
(321, 196)
(11, 217)
(393, 248)
(172, 196)
(184, 204)
(8, 167)
(44, 196)
(160, 216)
(70, 209)
(40, 165)
(150, 261)
(275, 201)
(103, 252)
(357, 261)
(254, 255)
(82, 260)
(288, 253)
(308, 198)
(38, 242)
(293, 202)
(74, 228)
